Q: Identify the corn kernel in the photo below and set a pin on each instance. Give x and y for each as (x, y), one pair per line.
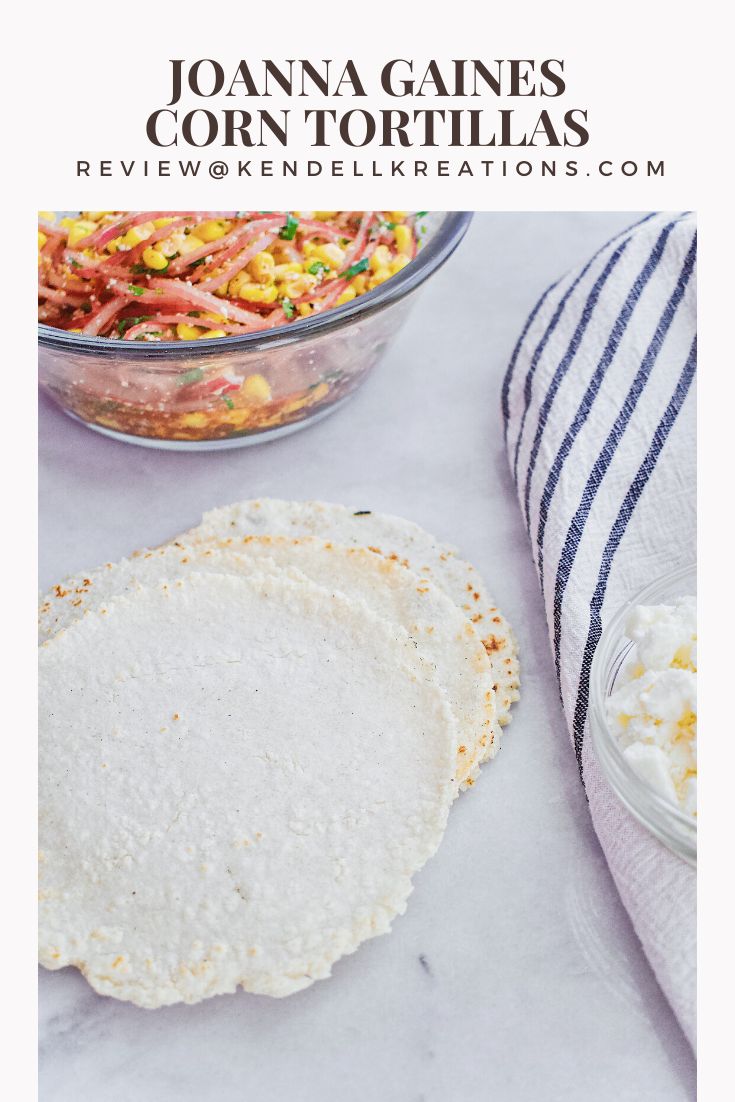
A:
(397, 215)
(213, 333)
(379, 277)
(176, 242)
(238, 282)
(95, 215)
(212, 231)
(255, 292)
(399, 263)
(42, 239)
(329, 254)
(305, 309)
(78, 231)
(324, 215)
(221, 292)
(256, 389)
(262, 267)
(282, 270)
(186, 332)
(297, 285)
(360, 284)
(190, 243)
(114, 245)
(404, 240)
(47, 216)
(66, 223)
(347, 296)
(136, 234)
(381, 258)
(159, 223)
(154, 259)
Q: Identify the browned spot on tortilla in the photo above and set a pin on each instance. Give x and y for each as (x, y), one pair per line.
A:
(492, 644)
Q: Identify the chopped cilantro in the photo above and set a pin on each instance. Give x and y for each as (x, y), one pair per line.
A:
(192, 376)
(193, 313)
(196, 263)
(317, 267)
(228, 402)
(421, 214)
(135, 289)
(127, 323)
(75, 264)
(288, 307)
(355, 269)
(289, 230)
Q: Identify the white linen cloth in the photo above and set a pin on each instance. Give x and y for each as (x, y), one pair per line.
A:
(599, 413)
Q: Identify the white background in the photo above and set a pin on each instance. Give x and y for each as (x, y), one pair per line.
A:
(638, 93)
(651, 74)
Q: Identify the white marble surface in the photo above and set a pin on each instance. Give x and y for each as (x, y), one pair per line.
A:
(533, 987)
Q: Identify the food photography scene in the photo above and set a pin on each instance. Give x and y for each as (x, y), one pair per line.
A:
(367, 670)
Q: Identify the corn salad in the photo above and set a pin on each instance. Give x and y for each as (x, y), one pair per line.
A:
(158, 276)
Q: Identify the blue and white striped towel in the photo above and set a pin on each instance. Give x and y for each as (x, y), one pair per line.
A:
(599, 412)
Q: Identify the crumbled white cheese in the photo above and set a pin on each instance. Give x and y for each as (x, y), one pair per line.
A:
(653, 710)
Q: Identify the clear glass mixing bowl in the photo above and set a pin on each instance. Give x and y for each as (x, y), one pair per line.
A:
(144, 392)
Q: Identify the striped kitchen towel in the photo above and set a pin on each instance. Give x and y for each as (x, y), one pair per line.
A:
(599, 414)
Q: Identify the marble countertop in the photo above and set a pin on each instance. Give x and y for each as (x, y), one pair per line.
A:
(515, 974)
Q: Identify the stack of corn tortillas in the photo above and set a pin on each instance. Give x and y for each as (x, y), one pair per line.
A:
(250, 741)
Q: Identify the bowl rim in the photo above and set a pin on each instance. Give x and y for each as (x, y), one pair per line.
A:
(439, 247)
(668, 823)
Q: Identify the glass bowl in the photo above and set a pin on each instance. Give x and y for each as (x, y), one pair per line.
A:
(157, 394)
(667, 822)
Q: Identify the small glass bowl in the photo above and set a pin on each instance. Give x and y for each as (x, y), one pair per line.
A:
(667, 822)
(155, 394)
